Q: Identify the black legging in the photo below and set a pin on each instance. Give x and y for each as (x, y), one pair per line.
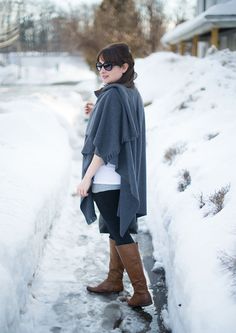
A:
(107, 203)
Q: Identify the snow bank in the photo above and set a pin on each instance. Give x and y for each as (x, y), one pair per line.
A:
(34, 173)
(191, 158)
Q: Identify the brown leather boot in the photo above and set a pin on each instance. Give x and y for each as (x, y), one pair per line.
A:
(113, 282)
(131, 259)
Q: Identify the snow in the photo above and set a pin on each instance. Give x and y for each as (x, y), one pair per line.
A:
(192, 110)
(35, 149)
(222, 14)
(48, 254)
(33, 68)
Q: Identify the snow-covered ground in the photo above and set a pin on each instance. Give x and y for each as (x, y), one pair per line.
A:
(33, 68)
(191, 128)
(191, 190)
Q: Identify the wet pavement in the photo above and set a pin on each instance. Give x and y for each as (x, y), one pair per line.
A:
(157, 280)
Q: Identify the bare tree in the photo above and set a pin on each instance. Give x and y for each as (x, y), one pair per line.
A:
(153, 19)
(114, 21)
(87, 28)
(183, 11)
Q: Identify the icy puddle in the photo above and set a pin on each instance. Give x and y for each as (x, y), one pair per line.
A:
(77, 255)
(157, 282)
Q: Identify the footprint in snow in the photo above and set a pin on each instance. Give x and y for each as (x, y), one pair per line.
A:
(112, 314)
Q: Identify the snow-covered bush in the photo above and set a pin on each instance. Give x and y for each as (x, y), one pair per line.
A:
(215, 202)
(172, 152)
(184, 181)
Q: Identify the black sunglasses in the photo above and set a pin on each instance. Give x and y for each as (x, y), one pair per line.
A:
(107, 66)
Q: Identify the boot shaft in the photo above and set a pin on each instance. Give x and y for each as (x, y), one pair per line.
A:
(130, 256)
(116, 267)
(113, 282)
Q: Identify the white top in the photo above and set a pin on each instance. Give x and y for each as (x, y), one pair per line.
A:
(106, 174)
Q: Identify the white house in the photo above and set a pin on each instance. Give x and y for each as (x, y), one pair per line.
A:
(215, 24)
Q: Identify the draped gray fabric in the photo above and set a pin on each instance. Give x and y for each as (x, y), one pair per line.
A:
(116, 133)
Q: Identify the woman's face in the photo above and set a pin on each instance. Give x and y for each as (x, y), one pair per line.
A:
(114, 75)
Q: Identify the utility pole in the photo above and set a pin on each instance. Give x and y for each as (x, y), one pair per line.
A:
(19, 49)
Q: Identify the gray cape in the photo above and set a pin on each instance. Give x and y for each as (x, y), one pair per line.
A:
(116, 133)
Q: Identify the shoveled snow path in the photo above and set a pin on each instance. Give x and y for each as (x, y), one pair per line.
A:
(77, 254)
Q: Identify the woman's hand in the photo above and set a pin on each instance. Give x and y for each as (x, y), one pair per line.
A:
(88, 108)
(82, 189)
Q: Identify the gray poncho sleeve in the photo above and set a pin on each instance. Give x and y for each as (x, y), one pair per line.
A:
(116, 133)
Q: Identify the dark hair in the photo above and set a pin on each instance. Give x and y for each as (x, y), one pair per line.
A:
(119, 53)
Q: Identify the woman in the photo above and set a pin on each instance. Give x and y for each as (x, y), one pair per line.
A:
(114, 169)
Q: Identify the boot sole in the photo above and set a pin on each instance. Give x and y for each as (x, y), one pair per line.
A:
(140, 305)
(104, 292)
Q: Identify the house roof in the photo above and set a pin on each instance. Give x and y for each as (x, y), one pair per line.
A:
(221, 16)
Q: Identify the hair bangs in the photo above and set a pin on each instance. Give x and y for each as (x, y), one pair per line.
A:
(109, 55)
